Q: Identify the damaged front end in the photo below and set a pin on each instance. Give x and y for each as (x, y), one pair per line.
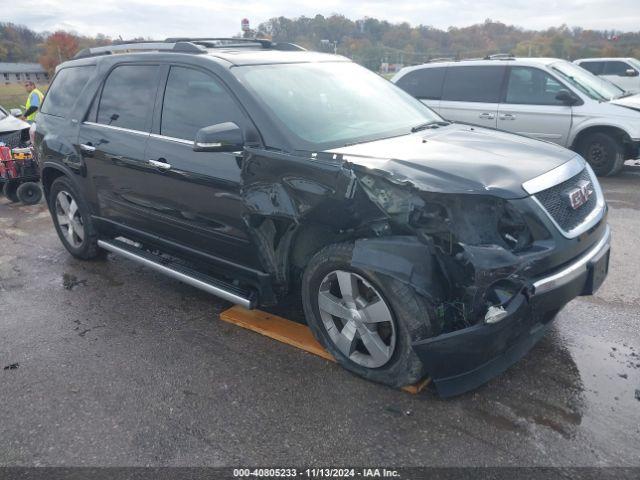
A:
(476, 258)
(480, 247)
(475, 253)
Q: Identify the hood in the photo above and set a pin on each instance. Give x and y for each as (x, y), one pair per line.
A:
(459, 159)
(632, 101)
(11, 124)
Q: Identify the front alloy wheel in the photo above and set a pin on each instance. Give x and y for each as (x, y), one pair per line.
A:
(366, 320)
(357, 319)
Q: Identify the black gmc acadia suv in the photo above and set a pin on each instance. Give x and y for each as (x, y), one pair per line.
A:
(253, 169)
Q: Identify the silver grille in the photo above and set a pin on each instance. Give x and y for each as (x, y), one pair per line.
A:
(556, 203)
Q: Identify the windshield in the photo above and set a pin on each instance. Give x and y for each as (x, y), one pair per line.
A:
(327, 105)
(589, 84)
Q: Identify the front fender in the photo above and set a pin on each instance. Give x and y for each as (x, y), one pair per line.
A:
(630, 127)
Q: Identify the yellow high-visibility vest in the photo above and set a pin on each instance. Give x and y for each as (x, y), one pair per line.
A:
(40, 95)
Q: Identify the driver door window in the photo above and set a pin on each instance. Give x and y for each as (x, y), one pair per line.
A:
(617, 68)
(530, 106)
(531, 86)
(193, 100)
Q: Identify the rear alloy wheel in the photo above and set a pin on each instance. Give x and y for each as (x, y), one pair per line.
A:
(69, 219)
(603, 152)
(72, 220)
(29, 193)
(357, 319)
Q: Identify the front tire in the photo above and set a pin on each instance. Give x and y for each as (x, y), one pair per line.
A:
(367, 321)
(72, 219)
(603, 152)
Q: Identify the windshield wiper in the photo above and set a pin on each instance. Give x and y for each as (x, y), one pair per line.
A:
(432, 124)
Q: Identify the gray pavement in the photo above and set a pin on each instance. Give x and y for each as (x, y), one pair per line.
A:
(118, 365)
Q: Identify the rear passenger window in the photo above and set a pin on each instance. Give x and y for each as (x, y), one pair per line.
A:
(594, 67)
(473, 84)
(128, 96)
(425, 83)
(65, 89)
(194, 100)
(532, 86)
(616, 68)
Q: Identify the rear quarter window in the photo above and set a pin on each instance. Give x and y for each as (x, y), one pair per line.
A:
(65, 89)
(425, 83)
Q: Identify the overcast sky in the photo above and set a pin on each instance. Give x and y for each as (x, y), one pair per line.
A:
(163, 18)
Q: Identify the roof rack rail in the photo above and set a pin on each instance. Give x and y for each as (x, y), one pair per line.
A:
(178, 47)
(500, 56)
(226, 42)
(441, 59)
(187, 45)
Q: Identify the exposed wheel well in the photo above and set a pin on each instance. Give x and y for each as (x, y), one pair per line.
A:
(48, 176)
(308, 241)
(615, 132)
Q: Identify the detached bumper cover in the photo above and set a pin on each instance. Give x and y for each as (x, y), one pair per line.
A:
(465, 359)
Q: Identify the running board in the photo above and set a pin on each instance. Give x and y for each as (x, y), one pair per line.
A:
(224, 290)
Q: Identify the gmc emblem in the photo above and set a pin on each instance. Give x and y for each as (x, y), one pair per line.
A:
(580, 195)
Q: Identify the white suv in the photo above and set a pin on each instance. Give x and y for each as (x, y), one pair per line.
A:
(624, 72)
(545, 98)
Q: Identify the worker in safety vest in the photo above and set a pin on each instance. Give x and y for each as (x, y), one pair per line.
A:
(34, 100)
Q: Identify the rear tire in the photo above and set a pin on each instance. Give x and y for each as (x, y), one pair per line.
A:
(29, 193)
(10, 190)
(603, 152)
(72, 219)
(377, 350)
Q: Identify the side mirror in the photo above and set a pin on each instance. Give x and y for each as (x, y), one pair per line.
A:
(222, 137)
(630, 72)
(566, 97)
(16, 112)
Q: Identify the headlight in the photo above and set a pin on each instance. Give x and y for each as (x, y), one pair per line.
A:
(475, 220)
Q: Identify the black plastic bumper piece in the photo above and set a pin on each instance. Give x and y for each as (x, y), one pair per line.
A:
(465, 359)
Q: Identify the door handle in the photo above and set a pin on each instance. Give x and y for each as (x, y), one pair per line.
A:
(507, 116)
(87, 148)
(487, 116)
(159, 164)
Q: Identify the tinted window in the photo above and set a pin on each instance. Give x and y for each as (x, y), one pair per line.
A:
(616, 68)
(193, 100)
(532, 86)
(593, 67)
(128, 96)
(425, 83)
(473, 84)
(65, 89)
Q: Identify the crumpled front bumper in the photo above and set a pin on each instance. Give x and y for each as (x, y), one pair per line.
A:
(465, 359)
